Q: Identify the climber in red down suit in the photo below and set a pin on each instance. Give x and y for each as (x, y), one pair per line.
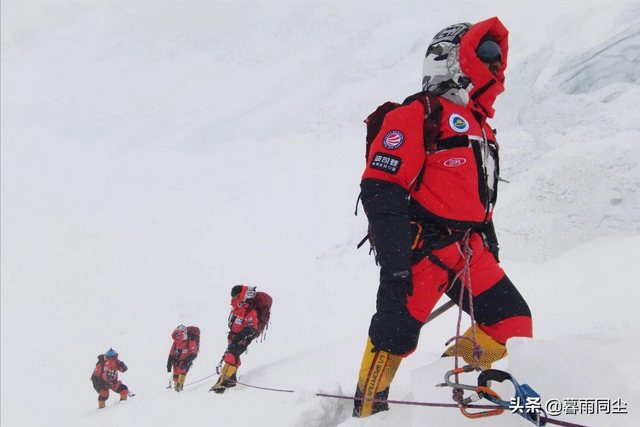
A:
(429, 190)
(244, 325)
(105, 377)
(183, 352)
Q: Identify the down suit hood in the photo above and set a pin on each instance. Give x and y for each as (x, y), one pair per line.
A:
(452, 70)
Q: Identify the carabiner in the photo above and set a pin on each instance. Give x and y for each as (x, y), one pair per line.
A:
(462, 370)
(479, 395)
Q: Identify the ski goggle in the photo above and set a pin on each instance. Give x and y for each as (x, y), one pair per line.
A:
(489, 51)
(177, 335)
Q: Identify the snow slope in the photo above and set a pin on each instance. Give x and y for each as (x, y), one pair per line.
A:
(156, 154)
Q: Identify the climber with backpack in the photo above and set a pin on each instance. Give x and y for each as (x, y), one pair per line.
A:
(248, 320)
(428, 190)
(105, 377)
(184, 350)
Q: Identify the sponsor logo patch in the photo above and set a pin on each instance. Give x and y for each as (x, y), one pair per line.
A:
(386, 163)
(458, 123)
(455, 162)
(393, 140)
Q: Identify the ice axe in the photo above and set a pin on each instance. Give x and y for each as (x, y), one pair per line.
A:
(219, 367)
(438, 311)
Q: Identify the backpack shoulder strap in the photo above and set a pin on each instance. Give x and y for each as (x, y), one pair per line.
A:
(432, 115)
(251, 305)
(431, 128)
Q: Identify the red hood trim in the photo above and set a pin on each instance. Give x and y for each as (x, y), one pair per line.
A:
(473, 68)
(240, 300)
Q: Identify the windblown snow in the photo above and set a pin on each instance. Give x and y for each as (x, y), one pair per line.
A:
(156, 154)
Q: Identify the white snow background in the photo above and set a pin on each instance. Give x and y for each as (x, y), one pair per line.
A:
(156, 154)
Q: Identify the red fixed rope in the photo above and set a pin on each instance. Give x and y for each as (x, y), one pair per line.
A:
(405, 402)
(442, 405)
(281, 390)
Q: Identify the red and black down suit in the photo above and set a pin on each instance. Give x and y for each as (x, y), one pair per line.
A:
(243, 325)
(105, 377)
(421, 197)
(182, 353)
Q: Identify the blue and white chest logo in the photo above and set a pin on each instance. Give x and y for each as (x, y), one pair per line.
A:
(393, 140)
(458, 123)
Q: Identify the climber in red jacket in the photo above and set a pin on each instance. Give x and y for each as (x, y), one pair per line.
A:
(429, 189)
(105, 377)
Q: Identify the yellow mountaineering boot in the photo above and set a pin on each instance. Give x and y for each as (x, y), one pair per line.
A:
(226, 380)
(180, 382)
(100, 404)
(492, 350)
(376, 373)
(123, 397)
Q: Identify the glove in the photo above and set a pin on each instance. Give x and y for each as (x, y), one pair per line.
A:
(183, 366)
(123, 367)
(231, 335)
(396, 285)
(231, 346)
(169, 363)
(393, 295)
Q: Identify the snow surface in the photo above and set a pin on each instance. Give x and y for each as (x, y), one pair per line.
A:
(156, 154)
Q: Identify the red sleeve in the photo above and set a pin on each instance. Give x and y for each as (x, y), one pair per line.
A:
(172, 351)
(397, 153)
